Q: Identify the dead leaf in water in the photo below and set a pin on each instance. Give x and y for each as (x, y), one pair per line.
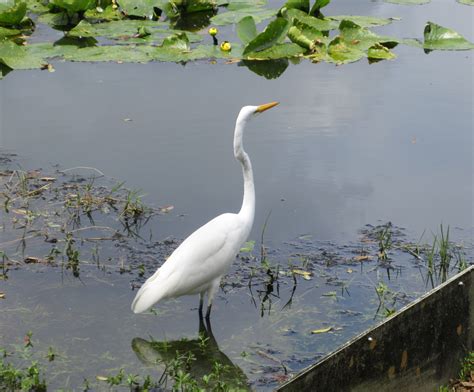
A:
(166, 209)
(305, 274)
(101, 378)
(322, 330)
(2, 295)
(362, 258)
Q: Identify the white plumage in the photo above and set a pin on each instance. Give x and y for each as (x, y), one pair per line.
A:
(198, 264)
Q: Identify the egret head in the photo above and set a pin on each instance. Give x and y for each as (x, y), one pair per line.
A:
(247, 112)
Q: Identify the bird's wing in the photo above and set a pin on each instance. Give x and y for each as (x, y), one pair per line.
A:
(205, 255)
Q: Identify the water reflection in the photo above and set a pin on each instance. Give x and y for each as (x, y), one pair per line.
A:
(199, 357)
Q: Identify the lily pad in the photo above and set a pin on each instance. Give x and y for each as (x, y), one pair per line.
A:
(18, 57)
(305, 36)
(36, 6)
(5, 32)
(246, 29)
(315, 9)
(231, 17)
(11, 14)
(363, 21)
(233, 5)
(408, 2)
(467, 2)
(302, 5)
(361, 37)
(107, 14)
(274, 33)
(441, 38)
(277, 51)
(73, 6)
(341, 52)
(379, 52)
(129, 31)
(141, 8)
(321, 24)
(116, 53)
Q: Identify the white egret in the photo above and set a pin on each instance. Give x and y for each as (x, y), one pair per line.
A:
(199, 263)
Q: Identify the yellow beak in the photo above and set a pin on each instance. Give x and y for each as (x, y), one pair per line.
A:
(266, 106)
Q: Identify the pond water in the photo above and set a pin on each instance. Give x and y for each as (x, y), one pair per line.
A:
(348, 146)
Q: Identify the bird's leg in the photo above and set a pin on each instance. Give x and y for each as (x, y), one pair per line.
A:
(208, 312)
(210, 295)
(201, 303)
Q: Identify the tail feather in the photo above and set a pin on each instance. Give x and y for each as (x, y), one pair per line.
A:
(150, 293)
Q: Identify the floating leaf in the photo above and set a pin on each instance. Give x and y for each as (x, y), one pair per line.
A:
(231, 17)
(240, 4)
(275, 32)
(129, 31)
(363, 21)
(117, 53)
(317, 23)
(315, 10)
(361, 37)
(330, 294)
(302, 5)
(246, 29)
(341, 52)
(2, 295)
(36, 6)
(5, 32)
(73, 6)
(19, 57)
(305, 35)
(305, 274)
(141, 8)
(11, 14)
(379, 52)
(467, 2)
(441, 38)
(248, 247)
(277, 51)
(322, 330)
(109, 13)
(408, 2)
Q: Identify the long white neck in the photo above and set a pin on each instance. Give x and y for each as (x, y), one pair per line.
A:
(247, 211)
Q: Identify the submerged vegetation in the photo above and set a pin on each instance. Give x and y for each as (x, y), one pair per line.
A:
(172, 30)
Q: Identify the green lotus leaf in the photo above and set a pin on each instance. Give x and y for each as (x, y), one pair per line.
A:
(317, 23)
(441, 38)
(361, 37)
(305, 35)
(233, 5)
(57, 19)
(6, 32)
(274, 33)
(466, 2)
(320, 53)
(246, 29)
(277, 51)
(116, 53)
(129, 31)
(408, 2)
(191, 6)
(315, 9)
(231, 17)
(36, 6)
(73, 6)
(19, 57)
(143, 8)
(363, 21)
(302, 5)
(107, 14)
(341, 52)
(380, 52)
(11, 14)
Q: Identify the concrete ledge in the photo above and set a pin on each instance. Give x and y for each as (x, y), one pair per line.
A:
(417, 349)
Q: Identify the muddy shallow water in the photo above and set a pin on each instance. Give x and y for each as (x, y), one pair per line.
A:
(348, 146)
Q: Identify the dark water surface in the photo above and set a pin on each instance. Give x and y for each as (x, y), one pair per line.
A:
(348, 146)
